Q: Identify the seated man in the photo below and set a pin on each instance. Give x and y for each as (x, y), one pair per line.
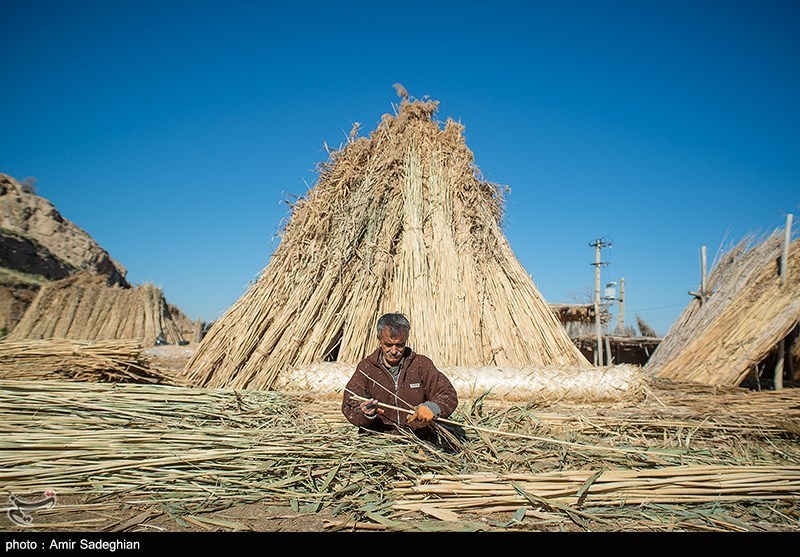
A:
(396, 375)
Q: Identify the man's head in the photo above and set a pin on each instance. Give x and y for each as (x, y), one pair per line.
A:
(392, 332)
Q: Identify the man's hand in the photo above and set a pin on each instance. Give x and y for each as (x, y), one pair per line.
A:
(370, 408)
(422, 415)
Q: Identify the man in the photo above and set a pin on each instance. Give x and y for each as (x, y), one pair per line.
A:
(396, 375)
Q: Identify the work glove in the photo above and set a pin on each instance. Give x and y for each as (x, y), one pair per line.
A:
(422, 415)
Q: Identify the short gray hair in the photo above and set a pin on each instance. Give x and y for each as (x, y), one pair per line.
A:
(397, 323)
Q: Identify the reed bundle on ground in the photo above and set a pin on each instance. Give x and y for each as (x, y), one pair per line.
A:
(750, 309)
(109, 361)
(186, 451)
(399, 221)
(86, 307)
(486, 493)
(528, 384)
(697, 399)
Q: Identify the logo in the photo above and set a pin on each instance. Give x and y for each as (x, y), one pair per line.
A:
(18, 514)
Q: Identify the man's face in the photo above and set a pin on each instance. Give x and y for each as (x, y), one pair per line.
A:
(392, 346)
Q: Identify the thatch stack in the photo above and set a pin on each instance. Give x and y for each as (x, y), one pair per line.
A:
(85, 307)
(529, 384)
(398, 222)
(750, 309)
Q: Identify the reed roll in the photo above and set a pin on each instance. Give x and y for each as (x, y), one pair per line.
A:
(526, 384)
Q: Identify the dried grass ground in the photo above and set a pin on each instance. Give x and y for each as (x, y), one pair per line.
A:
(701, 425)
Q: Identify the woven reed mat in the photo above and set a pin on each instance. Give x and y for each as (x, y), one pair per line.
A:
(528, 384)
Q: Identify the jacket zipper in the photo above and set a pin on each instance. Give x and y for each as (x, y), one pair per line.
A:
(396, 387)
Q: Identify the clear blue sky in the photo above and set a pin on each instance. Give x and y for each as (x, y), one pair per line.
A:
(171, 130)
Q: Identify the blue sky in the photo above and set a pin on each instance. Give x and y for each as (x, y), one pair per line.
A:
(171, 131)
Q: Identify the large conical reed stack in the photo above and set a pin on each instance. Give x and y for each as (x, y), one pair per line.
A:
(398, 222)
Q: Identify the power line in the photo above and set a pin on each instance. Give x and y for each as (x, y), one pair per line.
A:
(659, 307)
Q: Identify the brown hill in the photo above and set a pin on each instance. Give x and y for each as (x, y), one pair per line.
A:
(36, 239)
(38, 245)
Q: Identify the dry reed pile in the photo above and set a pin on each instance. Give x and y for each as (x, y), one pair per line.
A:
(579, 319)
(528, 384)
(717, 341)
(397, 222)
(699, 399)
(668, 408)
(186, 452)
(109, 361)
(579, 313)
(85, 307)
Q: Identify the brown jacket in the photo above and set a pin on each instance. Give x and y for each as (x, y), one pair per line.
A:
(418, 382)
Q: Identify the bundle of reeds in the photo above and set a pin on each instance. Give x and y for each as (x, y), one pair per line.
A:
(86, 307)
(398, 222)
(579, 319)
(751, 308)
(487, 493)
(108, 361)
(579, 313)
(529, 384)
(758, 406)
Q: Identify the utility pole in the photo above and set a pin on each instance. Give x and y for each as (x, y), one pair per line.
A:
(703, 294)
(597, 245)
(621, 321)
(787, 239)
